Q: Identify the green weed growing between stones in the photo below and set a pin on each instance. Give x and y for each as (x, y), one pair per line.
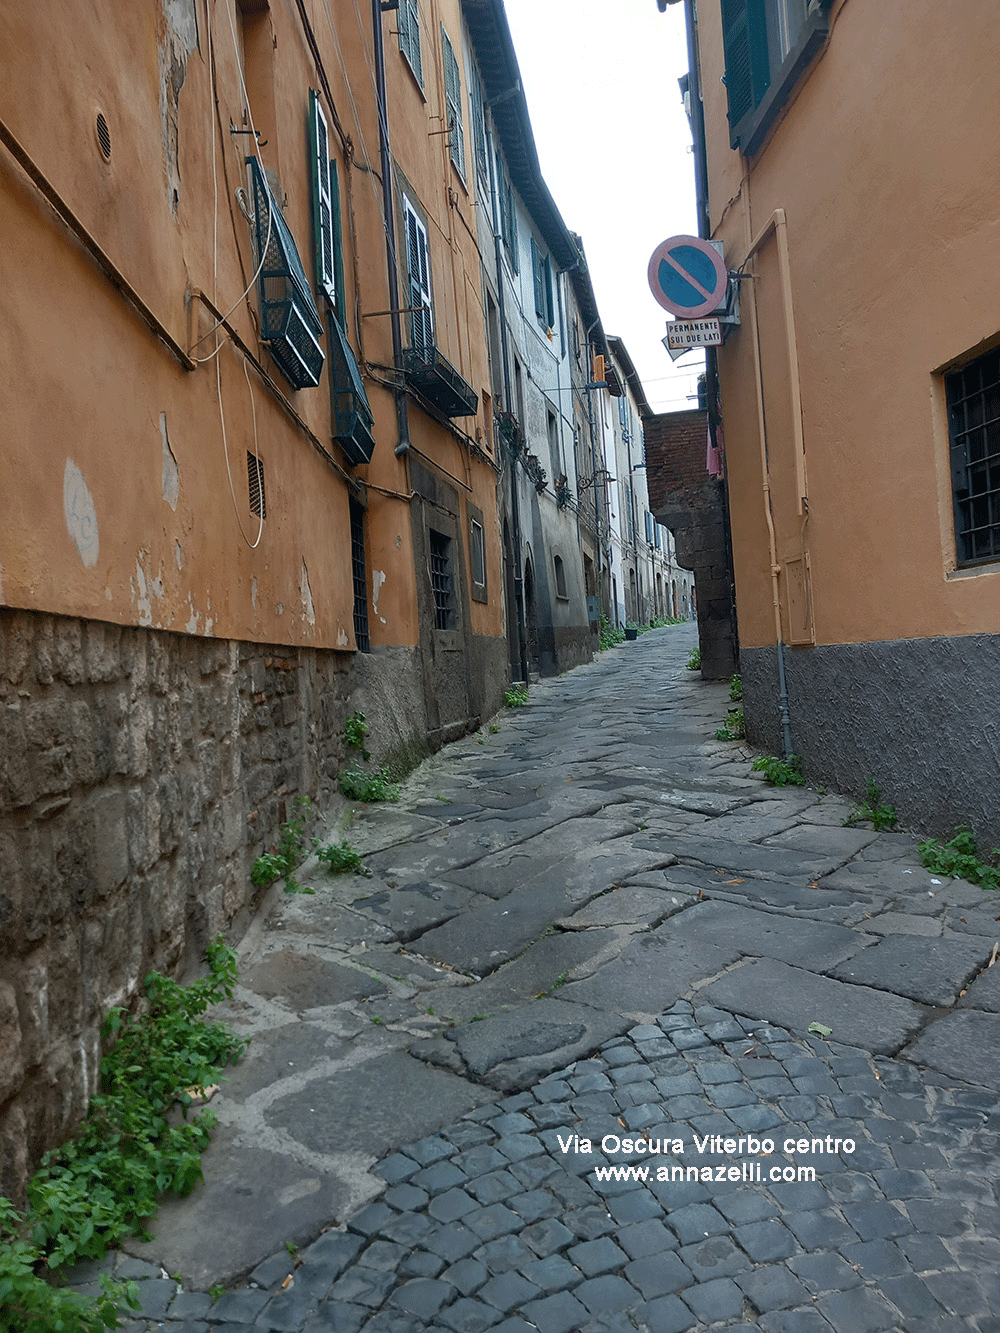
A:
(358, 785)
(105, 1184)
(289, 854)
(872, 810)
(516, 696)
(780, 772)
(340, 858)
(694, 661)
(609, 634)
(355, 731)
(959, 859)
(732, 729)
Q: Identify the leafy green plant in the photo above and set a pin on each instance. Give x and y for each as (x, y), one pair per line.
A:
(959, 859)
(377, 785)
(355, 731)
(694, 661)
(736, 689)
(341, 859)
(516, 696)
(732, 729)
(610, 634)
(104, 1185)
(872, 810)
(288, 855)
(780, 772)
(493, 728)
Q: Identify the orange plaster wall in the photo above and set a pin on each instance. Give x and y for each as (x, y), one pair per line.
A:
(885, 167)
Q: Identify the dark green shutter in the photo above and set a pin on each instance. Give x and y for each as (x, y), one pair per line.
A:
(408, 16)
(538, 277)
(748, 71)
(338, 244)
(322, 205)
(453, 102)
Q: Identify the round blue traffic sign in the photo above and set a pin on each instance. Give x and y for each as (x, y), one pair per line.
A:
(688, 276)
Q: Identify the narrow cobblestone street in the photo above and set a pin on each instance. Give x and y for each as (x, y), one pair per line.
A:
(592, 926)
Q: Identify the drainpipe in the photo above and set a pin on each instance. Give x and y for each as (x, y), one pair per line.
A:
(515, 508)
(385, 164)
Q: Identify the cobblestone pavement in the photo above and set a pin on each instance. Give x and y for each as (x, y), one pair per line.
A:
(555, 1065)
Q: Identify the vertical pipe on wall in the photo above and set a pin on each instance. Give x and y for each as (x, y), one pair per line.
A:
(385, 165)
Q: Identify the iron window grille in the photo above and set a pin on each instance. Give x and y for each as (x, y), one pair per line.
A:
(973, 395)
(289, 321)
(358, 574)
(442, 581)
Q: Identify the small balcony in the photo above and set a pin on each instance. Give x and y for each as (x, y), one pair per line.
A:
(439, 382)
(352, 415)
(289, 321)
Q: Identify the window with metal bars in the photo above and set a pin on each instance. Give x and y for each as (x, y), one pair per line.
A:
(359, 577)
(442, 581)
(973, 395)
(255, 483)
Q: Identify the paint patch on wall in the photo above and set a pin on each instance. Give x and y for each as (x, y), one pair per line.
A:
(178, 555)
(308, 609)
(378, 581)
(144, 590)
(171, 473)
(81, 515)
(342, 640)
(178, 39)
(253, 592)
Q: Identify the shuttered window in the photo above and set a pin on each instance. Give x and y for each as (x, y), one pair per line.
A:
(419, 272)
(478, 122)
(542, 277)
(453, 99)
(767, 44)
(326, 208)
(408, 16)
(508, 213)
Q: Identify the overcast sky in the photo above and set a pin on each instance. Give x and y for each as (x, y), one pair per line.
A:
(615, 150)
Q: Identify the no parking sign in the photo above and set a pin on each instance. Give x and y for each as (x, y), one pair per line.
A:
(688, 276)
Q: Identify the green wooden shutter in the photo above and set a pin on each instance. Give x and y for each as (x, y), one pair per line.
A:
(322, 203)
(453, 100)
(478, 121)
(338, 245)
(418, 264)
(538, 277)
(408, 16)
(748, 68)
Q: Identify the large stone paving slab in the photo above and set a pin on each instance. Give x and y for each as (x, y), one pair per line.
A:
(984, 992)
(515, 1049)
(409, 909)
(649, 975)
(304, 981)
(793, 998)
(932, 971)
(373, 1106)
(814, 945)
(964, 1044)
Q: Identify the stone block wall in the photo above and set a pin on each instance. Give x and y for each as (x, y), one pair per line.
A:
(141, 773)
(685, 498)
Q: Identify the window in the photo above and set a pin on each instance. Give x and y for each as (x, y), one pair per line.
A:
(361, 637)
(453, 103)
(419, 273)
(442, 581)
(478, 122)
(542, 274)
(478, 547)
(768, 44)
(408, 15)
(508, 214)
(973, 395)
(553, 433)
(323, 224)
(560, 577)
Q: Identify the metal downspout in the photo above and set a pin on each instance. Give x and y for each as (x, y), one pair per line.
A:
(515, 508)
(385, 165)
